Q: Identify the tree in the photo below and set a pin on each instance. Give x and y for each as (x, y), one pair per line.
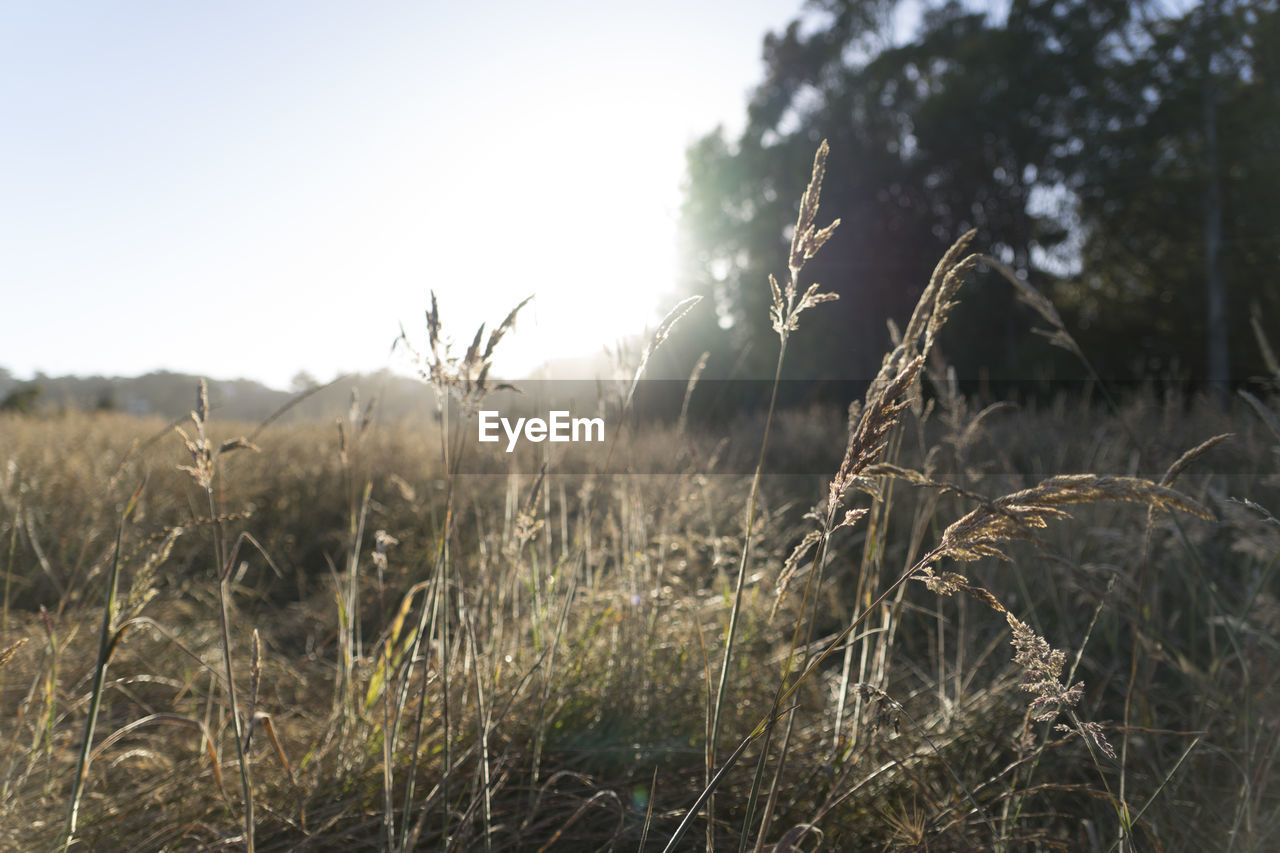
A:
(22, 400)
(1078, 137)
(929, 138)
(302, 381)
(1177, 198)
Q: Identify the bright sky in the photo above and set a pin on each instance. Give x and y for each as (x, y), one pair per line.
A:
(259, 187)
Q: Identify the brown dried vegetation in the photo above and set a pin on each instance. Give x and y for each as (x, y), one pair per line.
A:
(390, 654)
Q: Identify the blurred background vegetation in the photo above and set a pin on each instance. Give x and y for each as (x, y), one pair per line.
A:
(556, 692)
(1123, 155)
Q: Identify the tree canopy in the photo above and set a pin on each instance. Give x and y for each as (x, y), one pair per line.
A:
(1123, 156)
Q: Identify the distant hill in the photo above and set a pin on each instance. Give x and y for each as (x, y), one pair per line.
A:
(172, 395)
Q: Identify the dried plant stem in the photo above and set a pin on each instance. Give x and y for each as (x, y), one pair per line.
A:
(224, 615)
(785, 309)
(435, 611)
(869, 567)
(349, 640)
(484, 714)
(205, 459)
(739, 586)
(981, 533)
(4, 612)
(815, 579)
(545, 699)
(8, 571)
(465, 378)
(766, 724)
(246, 784)
(106, 644)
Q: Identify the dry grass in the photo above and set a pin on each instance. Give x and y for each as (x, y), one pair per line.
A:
(335, 639)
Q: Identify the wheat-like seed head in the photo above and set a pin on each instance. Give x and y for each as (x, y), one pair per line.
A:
(1264, 345)
(255, 681)
(791, 565)
(808, 239)
(7, 654)
(918, 478)
(1268, 417)
(983, 531)
(1041, 663)
(928, 299)
(659, 337)
(1042, 671)
(465, 378)
(867, 438)
(892, 389)
(785, 310)
(202, 469)
(201, 414)
(945, 300)
(1057, 334)
(143, 589)
(382, 541)
(1185, 460)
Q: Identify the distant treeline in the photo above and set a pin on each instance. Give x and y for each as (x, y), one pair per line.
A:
(173, 395)
(712, 403)
(1124, 156)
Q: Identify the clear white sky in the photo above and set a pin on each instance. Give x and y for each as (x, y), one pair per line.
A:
(260, 187)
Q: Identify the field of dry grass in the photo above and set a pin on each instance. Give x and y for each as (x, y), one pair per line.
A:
(1034, 627)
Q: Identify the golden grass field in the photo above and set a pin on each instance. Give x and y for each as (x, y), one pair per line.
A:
(1049, 626)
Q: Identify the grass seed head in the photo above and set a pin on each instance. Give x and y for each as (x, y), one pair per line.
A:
(784, 309)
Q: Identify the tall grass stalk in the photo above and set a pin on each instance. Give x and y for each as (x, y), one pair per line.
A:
(785, 312)
(8, 572)
(205, 459)
(484, 722)
(434, 621)
(976, 535)
(350, 629)
(577, 561)
(537, 647)
(868, 437)
(466, 379)
(107, 638)
(8, 585)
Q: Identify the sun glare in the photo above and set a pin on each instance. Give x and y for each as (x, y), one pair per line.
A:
(585, 222)
(308, 178)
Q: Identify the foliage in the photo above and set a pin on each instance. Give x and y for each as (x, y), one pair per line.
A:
(1070, 134)
(627, 694)
(21, 400)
